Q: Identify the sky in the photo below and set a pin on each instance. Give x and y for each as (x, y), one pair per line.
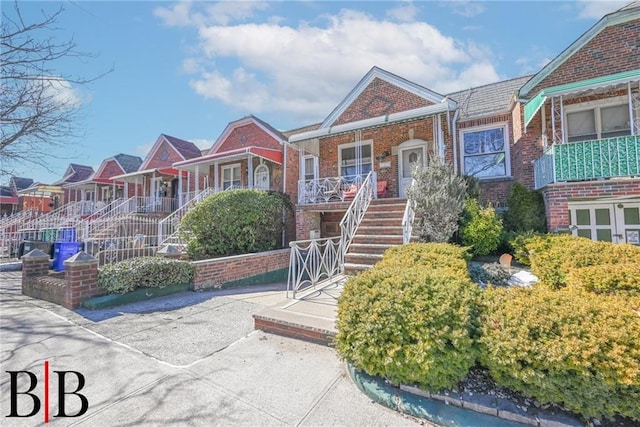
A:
(188, 68)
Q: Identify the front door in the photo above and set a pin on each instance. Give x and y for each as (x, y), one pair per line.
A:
(610, 222)
(408, 158)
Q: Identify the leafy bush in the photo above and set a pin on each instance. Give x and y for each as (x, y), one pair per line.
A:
(413, 326)
(442, 256)
(518, 242)
(607, 278)
(493, 274)
(144, 272)
(565, 346)
(438, 195)
(553, 256)
(236, 222)
(526, 210)
(481, 228)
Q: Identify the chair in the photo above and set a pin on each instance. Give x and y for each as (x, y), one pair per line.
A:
(351, 192)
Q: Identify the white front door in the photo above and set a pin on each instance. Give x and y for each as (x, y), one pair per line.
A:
(408, 158)
(610, 222)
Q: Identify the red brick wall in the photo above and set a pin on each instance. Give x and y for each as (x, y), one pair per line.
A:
(246, 136)
(612, 51)
(305, 222)
(155, 162)
(380, 98)
(293, 172)
(557, 196)
(217, 272)
(111, 168)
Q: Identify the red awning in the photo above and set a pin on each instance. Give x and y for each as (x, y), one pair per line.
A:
(9, 200)
(172, 171)
(106, 181)
(270, 154)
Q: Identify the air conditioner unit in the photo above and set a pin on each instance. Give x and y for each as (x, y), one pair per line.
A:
(314, 234)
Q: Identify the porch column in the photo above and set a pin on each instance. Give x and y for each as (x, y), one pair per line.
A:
(179, 187)
(250, 171)
(634, 108)
(125, 191)
(136, 188)
(216, 179)
(197, 179)
(557, 119)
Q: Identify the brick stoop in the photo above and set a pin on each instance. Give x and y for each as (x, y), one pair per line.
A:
(379, 230)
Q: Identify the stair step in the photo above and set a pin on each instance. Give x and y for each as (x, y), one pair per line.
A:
(371, 248)
(351, 269)
(380, 230)
(368, 239)
(385, 208)
(384, 214)
(364, 259)
(381, 222)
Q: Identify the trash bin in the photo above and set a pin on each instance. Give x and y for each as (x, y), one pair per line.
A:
(66, 234)
(28, 234)
(62, 251)
(27, 246)
(49, 234)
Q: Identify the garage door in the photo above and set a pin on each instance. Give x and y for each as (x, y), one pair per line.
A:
(610, 222)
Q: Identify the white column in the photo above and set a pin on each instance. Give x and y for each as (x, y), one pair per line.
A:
(179, 187)
(197, 179)
(216, 179)
(250, 171)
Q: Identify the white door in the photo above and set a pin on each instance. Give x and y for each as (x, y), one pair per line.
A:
(608, 222)
(261, 177)
(408, 158)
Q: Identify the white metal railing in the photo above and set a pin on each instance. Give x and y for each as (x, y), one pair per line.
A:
(97, 217)
(108, 250)
(355, 213)
(168, 227)
(543, 169)
(330, 189)
(155, 204)
(313, 261)
(407, 222)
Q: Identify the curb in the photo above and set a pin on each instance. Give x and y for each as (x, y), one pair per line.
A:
(11, 266)
(453, 409)
(140, 294)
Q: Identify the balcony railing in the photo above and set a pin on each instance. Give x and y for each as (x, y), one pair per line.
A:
(586, 160)
(331, 189)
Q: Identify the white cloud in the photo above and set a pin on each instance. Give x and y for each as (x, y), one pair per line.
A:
(406, 12)
(183, 14)
(305, 71)
(61, 92)
(466, 8)
(589, 9)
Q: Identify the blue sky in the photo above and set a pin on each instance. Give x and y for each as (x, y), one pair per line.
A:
(189, 68)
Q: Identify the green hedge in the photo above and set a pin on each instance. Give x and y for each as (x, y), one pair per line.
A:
(481, 228)
(427, 255)
(565, 346)
(144, 272)
(607, 278)
(554, 256)
(408, 323)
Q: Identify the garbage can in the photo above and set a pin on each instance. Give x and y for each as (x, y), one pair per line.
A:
(62, 251)
(28, 234)
(66, 234)
(27, 246)
(49, 234)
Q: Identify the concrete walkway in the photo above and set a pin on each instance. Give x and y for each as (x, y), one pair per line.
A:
(186, 359)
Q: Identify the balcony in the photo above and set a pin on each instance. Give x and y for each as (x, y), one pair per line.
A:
(588, 160)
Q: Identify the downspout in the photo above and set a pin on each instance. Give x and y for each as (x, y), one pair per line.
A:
(284, 191)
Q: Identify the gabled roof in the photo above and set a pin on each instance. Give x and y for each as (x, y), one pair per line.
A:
(20, 183)
(7, 197)
(266, 127)
(75, 173)
(127, 162)
(289, 133)
(187, 149)
(627, 13)
(488, 99)
(394, 80)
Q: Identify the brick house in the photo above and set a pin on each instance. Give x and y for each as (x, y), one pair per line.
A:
(76, 173)
(583, 110)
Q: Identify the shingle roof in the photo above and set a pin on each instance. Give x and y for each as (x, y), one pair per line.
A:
(487, 99)
(288, 133)
(21, 183)
(268, 126)
(188, 149)
(128, 163)
(80, 173)
(5, 191)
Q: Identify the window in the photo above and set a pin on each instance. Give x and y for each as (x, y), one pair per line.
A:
(486, 152)
(261, 177)
(310, 167)
(598, 122)
(231, 176)
(355, 159)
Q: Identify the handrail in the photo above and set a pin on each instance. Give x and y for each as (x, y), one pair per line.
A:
(407, 222)
(356, 211)
(168, 226)
(312, 261)
(329, 189)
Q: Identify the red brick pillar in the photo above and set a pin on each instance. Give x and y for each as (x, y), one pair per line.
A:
(35, 264)
(305, 222)
(81, 279)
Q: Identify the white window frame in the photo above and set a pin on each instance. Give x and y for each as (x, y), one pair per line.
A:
(231, 167)
(261, 169)
(596, 105)
(507, 147)
(353, 144)
(305, 172)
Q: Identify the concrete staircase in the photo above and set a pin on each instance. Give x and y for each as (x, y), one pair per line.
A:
(380, 229)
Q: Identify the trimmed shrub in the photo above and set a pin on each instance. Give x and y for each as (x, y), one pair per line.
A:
(490, 274)
(554, 256)
(607, 278)
(481, 228)
(438, 195)
(442, 256)
(144, 272)
(518, 242)
(565, 347)
(236, 222)
(410, 325)
(526, 210)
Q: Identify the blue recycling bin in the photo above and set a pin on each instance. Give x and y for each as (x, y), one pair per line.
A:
(66, 234)
(62, 251)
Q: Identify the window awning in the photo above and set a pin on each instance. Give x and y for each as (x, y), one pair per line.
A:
(9, 200)
(91, 182)
(132, 176)
(270, 154)
(602, 82)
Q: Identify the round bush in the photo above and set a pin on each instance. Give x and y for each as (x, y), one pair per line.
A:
(427, 255)
(481, 228)
(236, 222)
(144, 272)
(565, 346)
(607, 278)
(413, 326)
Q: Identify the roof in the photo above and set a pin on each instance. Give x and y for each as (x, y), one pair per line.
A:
(127, 162)
(75, 173)
(488, 99)
(21, 183)
(188, 149)
(231, 126)
(627, 13)
(237, 154)
(303, 129)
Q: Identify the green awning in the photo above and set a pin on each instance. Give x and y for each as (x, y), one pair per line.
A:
(534, 104)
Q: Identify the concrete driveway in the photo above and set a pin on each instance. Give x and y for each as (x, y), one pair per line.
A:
(187, 359)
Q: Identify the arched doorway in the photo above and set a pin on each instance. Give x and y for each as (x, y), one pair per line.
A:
(261, 179)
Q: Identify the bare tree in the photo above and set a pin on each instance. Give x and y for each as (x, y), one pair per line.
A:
(39, 110)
